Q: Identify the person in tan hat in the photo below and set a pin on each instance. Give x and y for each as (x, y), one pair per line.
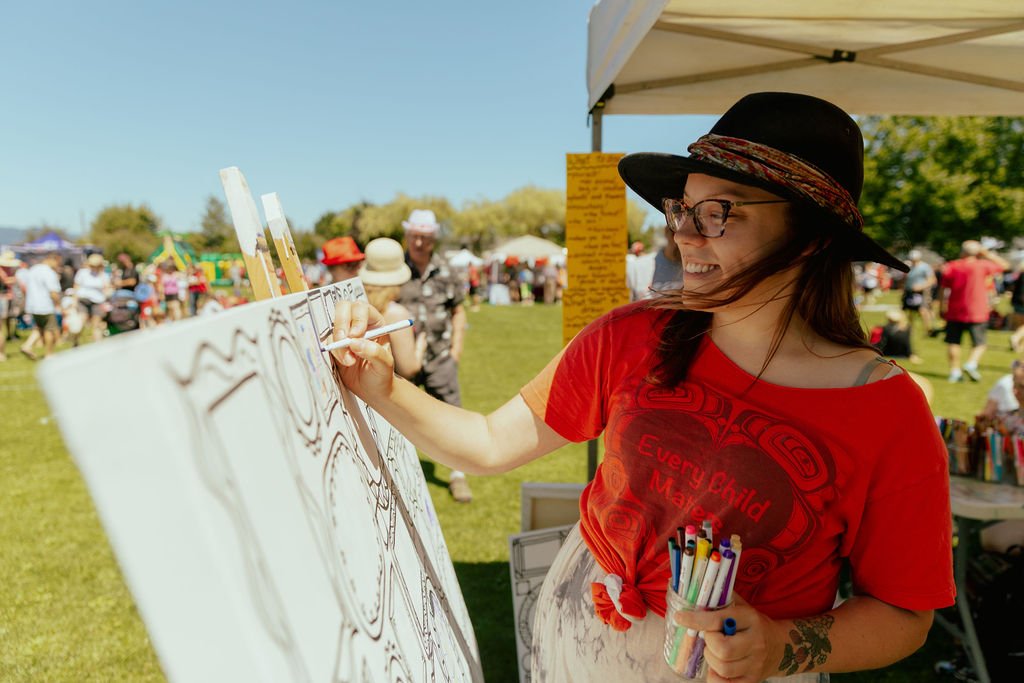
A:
(342, 258)
(750, 400)
(383, 273)
(92, 289)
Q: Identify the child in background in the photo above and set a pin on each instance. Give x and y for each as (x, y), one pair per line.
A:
(72, 317)
(146, 295)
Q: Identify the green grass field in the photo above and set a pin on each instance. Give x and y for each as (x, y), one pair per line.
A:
(66, 615)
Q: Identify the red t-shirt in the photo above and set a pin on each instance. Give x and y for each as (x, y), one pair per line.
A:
(968, 283)
(807, 477)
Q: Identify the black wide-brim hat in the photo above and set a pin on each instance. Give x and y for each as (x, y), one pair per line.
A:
(815, 131)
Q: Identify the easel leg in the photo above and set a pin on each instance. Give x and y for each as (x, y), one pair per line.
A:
(968, 532)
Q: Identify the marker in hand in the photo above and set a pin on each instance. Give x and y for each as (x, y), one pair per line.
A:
(372, 334)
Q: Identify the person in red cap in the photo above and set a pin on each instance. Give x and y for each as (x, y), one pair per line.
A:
(748, 400)
(342, 258)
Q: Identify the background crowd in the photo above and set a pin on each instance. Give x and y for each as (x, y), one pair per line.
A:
(49, 300)
(110, 297)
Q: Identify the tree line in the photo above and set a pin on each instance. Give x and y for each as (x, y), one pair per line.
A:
(929, 181)
(480, 225)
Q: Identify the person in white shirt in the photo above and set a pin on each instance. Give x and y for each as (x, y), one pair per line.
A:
(93, 287)
(661, 270)
(42, 292)
(1001, 399)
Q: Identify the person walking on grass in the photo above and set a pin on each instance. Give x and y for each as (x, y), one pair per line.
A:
(750, 399)
(964, 304)
(435, 295)
(42, 294)
(917, 289)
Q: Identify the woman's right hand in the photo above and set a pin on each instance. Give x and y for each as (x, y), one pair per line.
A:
(367, 367)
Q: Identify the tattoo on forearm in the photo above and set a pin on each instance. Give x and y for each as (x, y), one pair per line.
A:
(810, 647)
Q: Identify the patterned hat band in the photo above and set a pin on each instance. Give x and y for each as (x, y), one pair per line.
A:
(780, 168)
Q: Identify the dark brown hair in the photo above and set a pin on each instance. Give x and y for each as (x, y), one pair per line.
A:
(822, 296)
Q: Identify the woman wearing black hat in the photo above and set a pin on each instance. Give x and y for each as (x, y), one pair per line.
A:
(749, 399)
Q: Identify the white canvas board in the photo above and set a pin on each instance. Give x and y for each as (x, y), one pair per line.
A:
(530, 556)
(270, 526)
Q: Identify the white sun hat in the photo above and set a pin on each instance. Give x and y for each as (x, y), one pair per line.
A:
(422, 221)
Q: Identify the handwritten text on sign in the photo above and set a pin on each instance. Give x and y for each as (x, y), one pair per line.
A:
(595, 236)
(581, 306)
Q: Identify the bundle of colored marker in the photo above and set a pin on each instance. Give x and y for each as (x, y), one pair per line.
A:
(702, 578)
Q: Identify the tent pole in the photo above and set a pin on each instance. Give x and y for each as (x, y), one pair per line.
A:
(595, 146)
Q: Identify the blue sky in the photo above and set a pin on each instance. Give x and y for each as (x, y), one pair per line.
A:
(326, 103)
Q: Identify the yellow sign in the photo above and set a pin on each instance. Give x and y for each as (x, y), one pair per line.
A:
(596, 238)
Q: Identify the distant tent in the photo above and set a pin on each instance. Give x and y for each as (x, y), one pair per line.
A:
(464, 258)
(178, 251)
(51, 241)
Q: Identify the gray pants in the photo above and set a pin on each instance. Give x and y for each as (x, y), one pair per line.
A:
(440, 379)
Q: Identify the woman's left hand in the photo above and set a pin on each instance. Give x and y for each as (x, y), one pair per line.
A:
(751, 655)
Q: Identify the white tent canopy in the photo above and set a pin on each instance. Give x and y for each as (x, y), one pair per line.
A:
(463, 258)
(938, 57)
(529, 247)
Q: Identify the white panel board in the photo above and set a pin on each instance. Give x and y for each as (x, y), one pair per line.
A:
(530, 556)
(270, 526)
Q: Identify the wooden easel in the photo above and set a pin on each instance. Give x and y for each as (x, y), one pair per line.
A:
(259, 264)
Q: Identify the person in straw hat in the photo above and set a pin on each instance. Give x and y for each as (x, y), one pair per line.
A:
(383, 273)
(92, 289)
(749, 399)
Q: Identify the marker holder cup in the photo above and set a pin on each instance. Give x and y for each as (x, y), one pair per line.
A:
(683, 651)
